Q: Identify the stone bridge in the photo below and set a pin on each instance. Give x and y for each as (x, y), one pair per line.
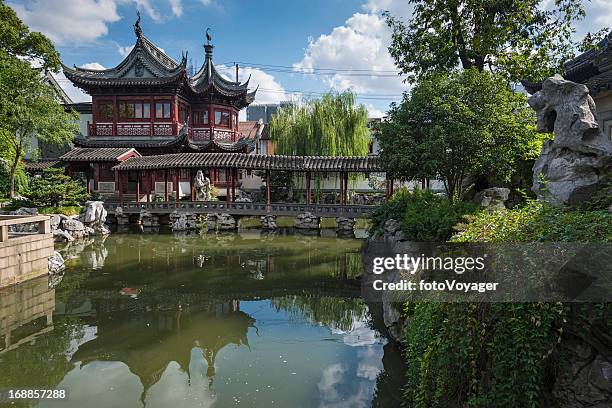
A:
(243, 208)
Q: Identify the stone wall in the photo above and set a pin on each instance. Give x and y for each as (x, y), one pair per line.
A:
(21, 304)
(24, 258)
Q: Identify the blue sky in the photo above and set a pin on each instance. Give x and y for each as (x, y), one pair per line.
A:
(329, 34)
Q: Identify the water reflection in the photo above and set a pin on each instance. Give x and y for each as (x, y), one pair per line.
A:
(214, 320)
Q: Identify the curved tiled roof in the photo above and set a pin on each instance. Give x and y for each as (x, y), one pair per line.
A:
(209, 79)
(182, 140)
(146, 64)
(85, 154)
(252, 162)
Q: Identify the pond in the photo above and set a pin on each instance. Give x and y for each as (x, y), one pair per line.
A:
(162, 320)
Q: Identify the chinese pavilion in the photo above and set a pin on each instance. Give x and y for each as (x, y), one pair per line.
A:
(153, 127)
(148, 102)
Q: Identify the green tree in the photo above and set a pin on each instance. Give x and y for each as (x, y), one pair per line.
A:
(523, 39)
(330, 126)
(455, 126)
(17, 41)
(55, 189)
(29, 108)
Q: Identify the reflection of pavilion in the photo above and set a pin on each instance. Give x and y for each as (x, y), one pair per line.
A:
(26, 311)
(148, 343)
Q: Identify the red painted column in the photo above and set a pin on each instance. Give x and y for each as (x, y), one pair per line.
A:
(268, 187)
(391, 188)
(137, 186)
(191, 185)
(120, 187)
(148, 186)
(341, 176)
(115, 115)
(166, 186)
(96, 175)
(175, 182)
(345, 188)
(153, 179)
(308, 198)
(228, 192)
(234, 176)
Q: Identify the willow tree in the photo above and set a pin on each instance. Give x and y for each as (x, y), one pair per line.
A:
(331, 126)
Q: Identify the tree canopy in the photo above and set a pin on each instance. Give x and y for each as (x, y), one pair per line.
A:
(29, 108)
(16, 40)
(521, 39)
(331, 126)
(457, 125)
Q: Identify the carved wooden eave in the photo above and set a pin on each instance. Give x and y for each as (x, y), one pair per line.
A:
(593, 68)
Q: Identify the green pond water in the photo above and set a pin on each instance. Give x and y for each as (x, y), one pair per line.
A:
(160, 320)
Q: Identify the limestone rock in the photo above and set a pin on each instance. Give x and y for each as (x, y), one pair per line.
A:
(94, 217)
(588, 379)
(74, 227)
(60, 235)
(573, 166)
(268, 222)
(148, 220)
(345, 227)
(120, 217)
(183, 221)
(307, 220)
(221, 222)
(32, 227)
(392, 231)
(56, 263)
(492, 198)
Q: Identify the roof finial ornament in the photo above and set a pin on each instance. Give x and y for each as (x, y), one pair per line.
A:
(137, 29)
(208, 36)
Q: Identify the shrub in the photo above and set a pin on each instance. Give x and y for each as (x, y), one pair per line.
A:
(540, 222)
(394, 208)
(430, 217)
(55, 189)
(425, 215)
(508, 354)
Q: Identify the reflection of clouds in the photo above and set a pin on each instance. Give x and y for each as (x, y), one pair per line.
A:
(338, 390)
(359, 335)
(332, 377)
(107, 384)
(370, 363)
(177, 388)
(347, 386)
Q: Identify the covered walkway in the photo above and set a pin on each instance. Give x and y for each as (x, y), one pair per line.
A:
(161, 175)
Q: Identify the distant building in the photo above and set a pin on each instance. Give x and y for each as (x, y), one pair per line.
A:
(264, 112)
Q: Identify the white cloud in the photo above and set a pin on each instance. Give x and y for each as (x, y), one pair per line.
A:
(68, 21)
(148, 8)
(598, 16)
(374, 112)
(124, 51)
(93, 65)
(177, 7)
(270, 91)
(360, 44)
